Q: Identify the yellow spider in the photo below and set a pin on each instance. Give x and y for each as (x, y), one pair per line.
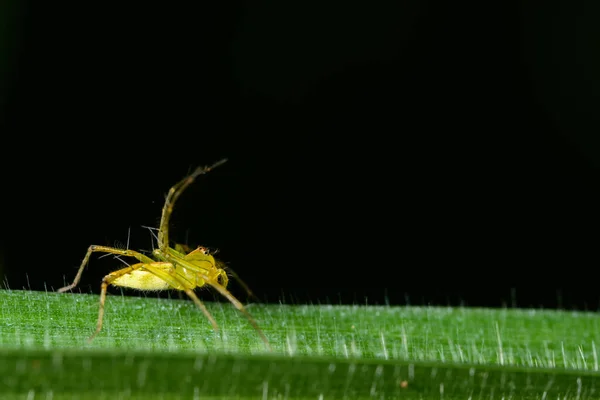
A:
(169, 268)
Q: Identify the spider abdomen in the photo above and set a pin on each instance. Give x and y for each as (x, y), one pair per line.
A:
(144, 280)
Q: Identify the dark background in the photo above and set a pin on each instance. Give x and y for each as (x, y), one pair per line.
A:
(419, 152)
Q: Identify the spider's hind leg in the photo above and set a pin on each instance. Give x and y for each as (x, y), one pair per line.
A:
(103, 249)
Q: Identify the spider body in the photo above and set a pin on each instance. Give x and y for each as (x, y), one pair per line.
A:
(169, 268)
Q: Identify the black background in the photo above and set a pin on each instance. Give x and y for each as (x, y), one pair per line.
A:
(418, 152)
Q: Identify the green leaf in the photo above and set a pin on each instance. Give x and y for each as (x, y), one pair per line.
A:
(164, 349)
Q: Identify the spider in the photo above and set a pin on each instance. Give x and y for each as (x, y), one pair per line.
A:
(169, 267)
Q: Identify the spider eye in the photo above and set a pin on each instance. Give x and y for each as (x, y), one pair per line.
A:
(202, 250)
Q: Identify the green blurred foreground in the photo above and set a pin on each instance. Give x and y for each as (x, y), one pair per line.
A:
(165, 349)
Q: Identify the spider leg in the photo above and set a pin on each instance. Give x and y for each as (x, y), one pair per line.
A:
(192, 264)
(240, 282)
(192, 256)
(237, 304)
(172, 196)
(154, 268)
(107, 280)
(103, 249)
(180, 284)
